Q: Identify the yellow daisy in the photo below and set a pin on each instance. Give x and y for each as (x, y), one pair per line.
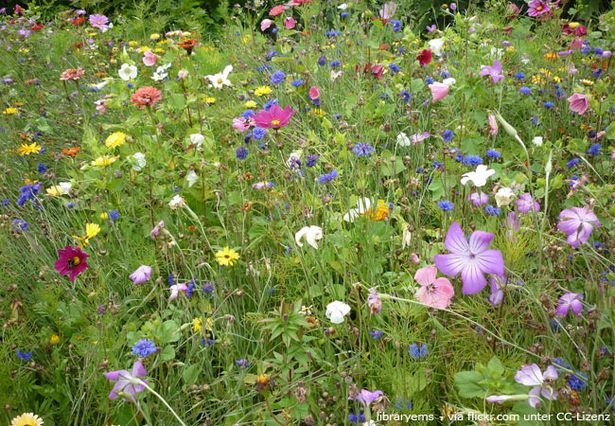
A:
(197, 324)
(27, 419)
(104, 161)
(27, 149)
(227, 257)
(54, 340)
(10, 111)
(262, 91)
(250, 104)
(116, 139)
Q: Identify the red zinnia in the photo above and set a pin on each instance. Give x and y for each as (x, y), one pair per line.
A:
(146, 96)
(424, 57)
(71, 261)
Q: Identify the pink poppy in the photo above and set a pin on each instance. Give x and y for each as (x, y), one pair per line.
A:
(578, 103)
(438, 91)
(289, 22)
(434, 292)
(150, 58)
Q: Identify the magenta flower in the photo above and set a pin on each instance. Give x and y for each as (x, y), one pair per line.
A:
(569, 301)
(71, 261)
(530, 375)
(577, 223)
(537, 8)
(127, 384)
(494, 71)
(434, 292)
(388, 11)
(367, 397)
(578, 103)
(471, 258)
(526, 204)
(274, 118)
(99, 21)
(141, 275)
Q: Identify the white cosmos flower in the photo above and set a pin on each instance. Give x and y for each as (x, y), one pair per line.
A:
(138, 161)
(336, 311)
(191, 177)
(504, 196)
(363, 205)
(311, 234)
(436, 46)
(221, 79)
(403, 139)
(478, 177)
(177, 202)
(128, 72)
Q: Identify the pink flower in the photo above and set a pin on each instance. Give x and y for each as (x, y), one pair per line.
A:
(156, 230)
(127, 383)
(537, 8)
(146, 96)
(438, 91)
(150, 58)
(493, 125)
(176, 289)
(530, 375)
(419, 137)
(242, 124)
(494, 71)
(374, 302)
(314, 93)
(265, 24)
(434, 292)
(289, 22)
(576, 44)
(277, 10)
(71, 261)
(578, 103)
(72, 74)
(141, 275)
(569, 302)
(274, 118)
(577, 223)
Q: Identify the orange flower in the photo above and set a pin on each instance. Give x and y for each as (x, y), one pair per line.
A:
(146, 96)
(71, 152)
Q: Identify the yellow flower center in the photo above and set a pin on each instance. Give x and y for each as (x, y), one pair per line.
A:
(539, 8)
(76, 260)
(275, 122)
(220, 81)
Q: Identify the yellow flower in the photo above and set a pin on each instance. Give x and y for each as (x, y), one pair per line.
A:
(133, 43)
(154, 36)
(318, 112)
(381, 213)
(57, 190)
(27, 419)
(104, 161)
(511, 49)
(574, 25)
(197, 324)
(246, 39)
(27, 149)
(227, 257)
(116, 139)
(550, 55)
(210, 100)
(250, 104)
(159, 51)
(587, 82)
(104, 216)
(262, 91)
(54, 340)
(10, 111)
(91, 230)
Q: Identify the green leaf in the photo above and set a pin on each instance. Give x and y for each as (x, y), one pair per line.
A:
(191, 374)
(168, 332)
(495, 367)
(167, 354)
(467, 383)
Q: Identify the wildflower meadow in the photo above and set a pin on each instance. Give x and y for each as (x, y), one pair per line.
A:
(312, 212)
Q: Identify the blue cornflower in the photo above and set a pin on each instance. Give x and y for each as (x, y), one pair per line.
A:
(297, 83)
(207, 342)
(519, 76)
(445, 205)
(322, 61)
(445, 74)
(5, 202)
(41, 168)
(27, 192)
(437, 164)
(270, 55)
(525, 90)
(248, 114)
(417, 352)
(328, 177)
(559, 362)
(333, 33)
(114, 215)
(242, 363)
(429, 80)
(447, 135)
(241, 153)
(190, 289)
(278, 77)
(20, 225)
(376, 334)
(577, 381)
(586, 49)
(24, 356)
(548, 104)
(259, 133)
(594, 149)
(344, 15)
(363, 149)
(394, 67)
(335, 64)
(535, 120)
(570, 164)
(472, 160)
(311, 160)
(395, 24)
(269, 104)
(144, 348)
(492, 153)
(459, 158)
(171, 280)
(208, 287)
(130, 85)
(493, 211)
(405, 96)
(598, 51)
(356, 418)
(597, 73)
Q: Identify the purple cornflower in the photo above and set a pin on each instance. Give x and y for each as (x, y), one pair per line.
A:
(242, 363)
(363, 149)
(472, 258)
(144, 348)
(494, 71)
(127, 384)
(569, 302)
(327, 177)
(418, 352)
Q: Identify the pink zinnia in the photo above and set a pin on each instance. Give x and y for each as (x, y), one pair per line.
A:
(71, 261)
(577, 223)
(277, 10)
(274, 118)
(72, 74)
(146, 96)
(578, 103)
(438, 91)
(434, 292)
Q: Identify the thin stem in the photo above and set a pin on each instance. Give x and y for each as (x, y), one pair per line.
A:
(163, 401)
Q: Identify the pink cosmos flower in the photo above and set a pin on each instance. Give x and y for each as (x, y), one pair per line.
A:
(471, 258)
(577, 223)
(314, 93)
(434, 292)
(99, 21)
(494, 71)
(150, 58)
(274, 118)
(537, 8)
(265, 24)
(569, 302)
(578, 103)
(289, 22)
(129, 384)
(438, 91)
(141, 275)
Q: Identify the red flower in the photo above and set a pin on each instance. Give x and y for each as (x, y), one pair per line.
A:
(146, 96)
(37, 27)
(424, 57)
(78, 21)
(71, 261)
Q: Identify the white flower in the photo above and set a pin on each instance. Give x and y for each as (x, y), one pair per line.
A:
(537, 140)
(191, 177)
(403, 139)
(293, 158)
(496, 53)
(449, 81)
(99, 86)
(128, 72)
(197, 139)
(336, 311)
(478, 177)
(363, 206)
(504, 196)
(436, 46)
(161, 72)
(343, 6)
(138, 161)
(406, 238)
(221, 79)
(177, 202)
(311, 234)
(65, 187)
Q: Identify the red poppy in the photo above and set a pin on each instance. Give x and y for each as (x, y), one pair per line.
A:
(424, 57)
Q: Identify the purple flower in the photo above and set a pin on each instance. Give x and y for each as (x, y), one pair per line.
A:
(367, 397)
(478, 198)
(577, 223)
(530, 375)
(537, 8)
(144, 348)
(472, 258)
(494, 71)
(141, 275)
(569, 301)
(127, 384)
(99, 21)
(497, 294)
(526, 204)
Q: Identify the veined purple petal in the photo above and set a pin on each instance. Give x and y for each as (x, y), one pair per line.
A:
(550, 373)
(479, 241)
(473, 279)
(450, 264)
(115, 375)
(455, 241)
(529, 375)
(491, 262)
(548, 392)
(534, 397)
(138, 370)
